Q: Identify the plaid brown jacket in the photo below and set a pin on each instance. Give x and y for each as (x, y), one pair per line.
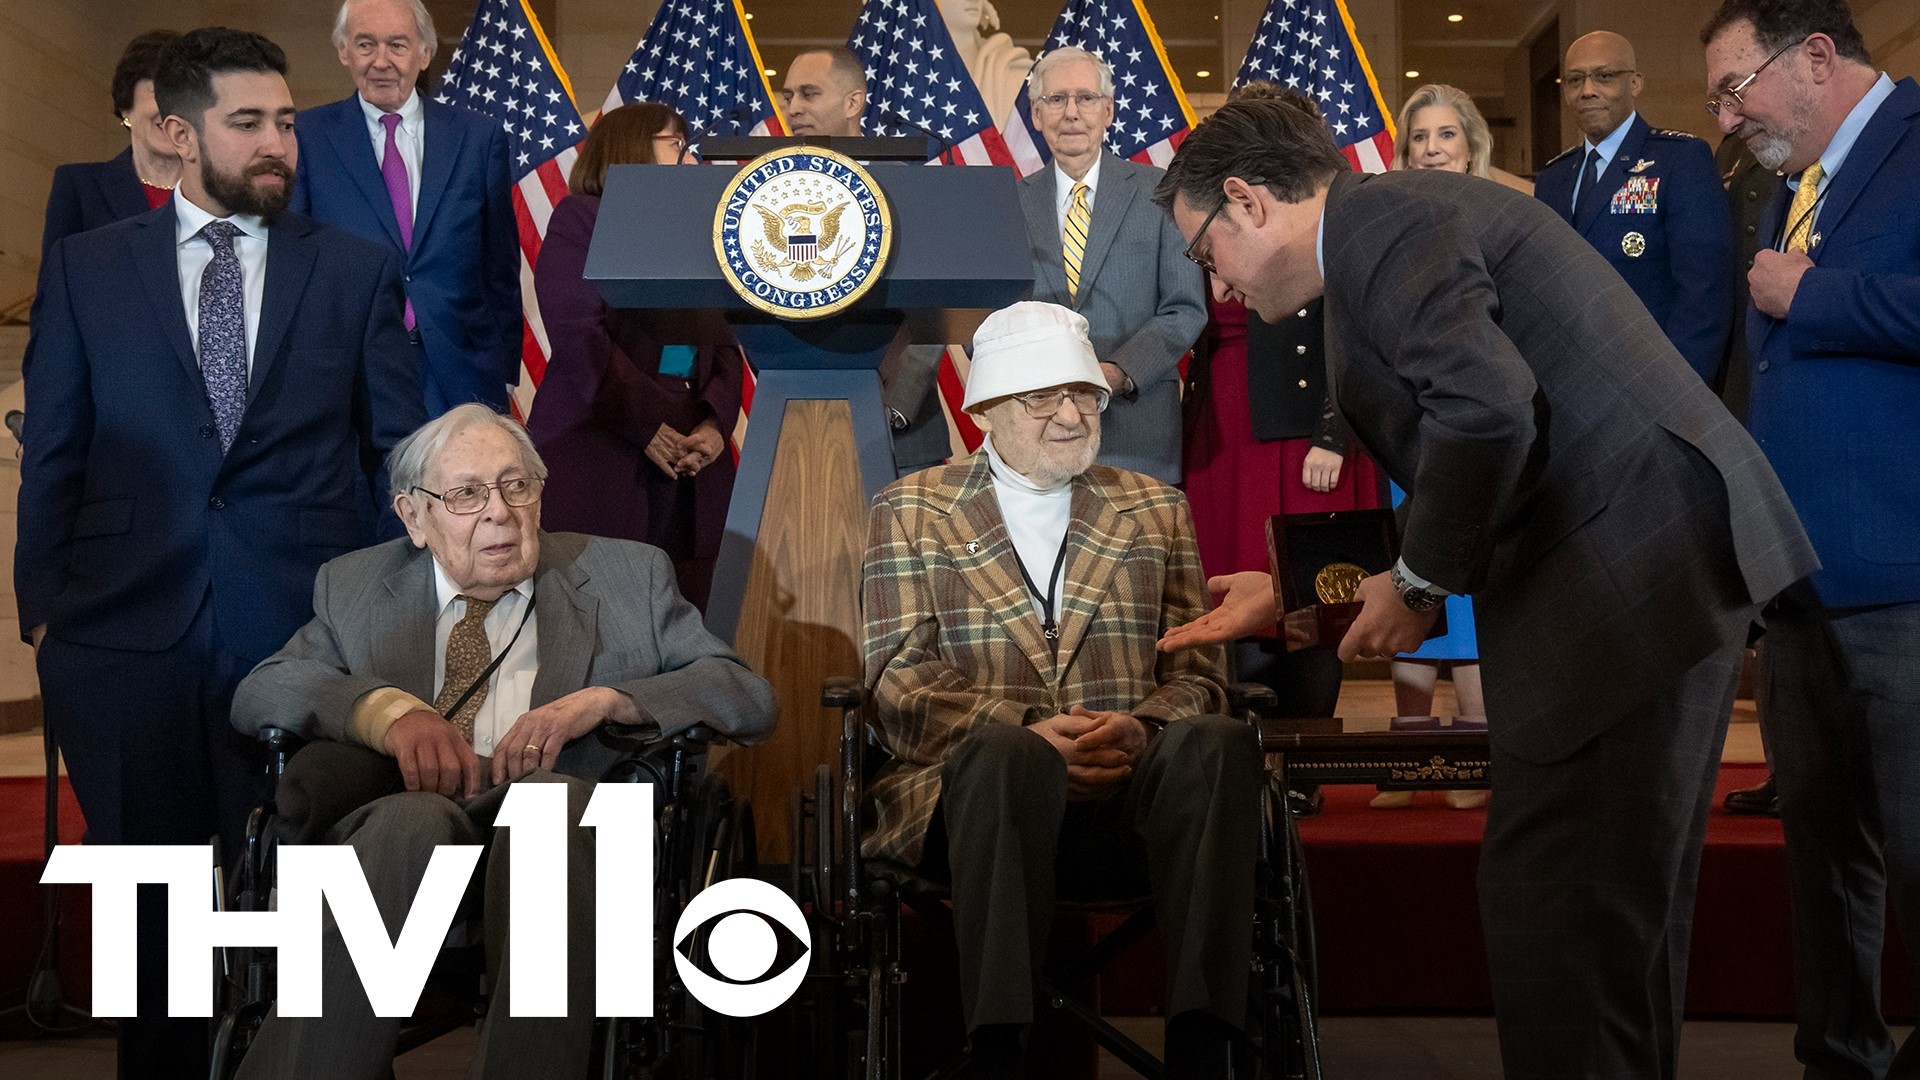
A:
(953, 639)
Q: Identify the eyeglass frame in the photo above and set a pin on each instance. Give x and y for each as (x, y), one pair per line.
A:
(1207, 263)
(537, 482)
(1082, 99)
(1104, 397)
(1718, 101)
(1602, 78)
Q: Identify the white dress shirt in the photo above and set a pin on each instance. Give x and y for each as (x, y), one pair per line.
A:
(410, 137)
(1063, 192)
(1037, 520)
(194, 253)
(510, 687)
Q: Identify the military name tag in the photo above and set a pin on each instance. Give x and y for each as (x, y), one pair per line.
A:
(1338, 583)
(1640, 195)
(802, 232)
(1633, 245)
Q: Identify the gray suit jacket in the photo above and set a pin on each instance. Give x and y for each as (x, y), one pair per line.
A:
(1144, 302)
(910, 385)
(1562, 461)
(608, 613)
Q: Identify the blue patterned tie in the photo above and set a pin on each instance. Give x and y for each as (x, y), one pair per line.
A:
(223, 332)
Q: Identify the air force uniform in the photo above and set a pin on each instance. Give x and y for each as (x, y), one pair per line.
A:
(1659, 214)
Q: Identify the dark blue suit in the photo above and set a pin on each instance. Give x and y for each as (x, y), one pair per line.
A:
(1836, 389)
(165, 570)
(1662, 222)
(90, 194)
(463, 271)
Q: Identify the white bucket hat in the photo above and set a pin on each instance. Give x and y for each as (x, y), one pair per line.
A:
(1030, 346)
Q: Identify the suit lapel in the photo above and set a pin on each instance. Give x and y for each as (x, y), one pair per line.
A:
(349, 138)
(122, 187)
(1038, 195)
(567, 617)
(1110, 206)
(443, 139)
(405, 631)
(290, 257)
(975, 536)
(158, 257)
(1869, 152)
(1100, 534)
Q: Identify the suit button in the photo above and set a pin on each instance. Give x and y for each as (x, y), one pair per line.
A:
(217, 503)
(1750, 230)
(206, 431)
(1752, 194)
(408, 278)
(1764, 364)
(1301, 349)
(1303, 384)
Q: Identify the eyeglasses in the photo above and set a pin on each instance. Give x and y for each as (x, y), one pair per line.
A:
(1082, 101)
(1604, 79)
(678, 142)
(1044, 403)
(1205, 262)
(472, 498)
(1721, 100)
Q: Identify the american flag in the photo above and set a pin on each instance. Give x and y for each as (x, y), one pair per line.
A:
(505, 67)
(699, 57)
(1151, 116)
(916, 80)
(1311, 46)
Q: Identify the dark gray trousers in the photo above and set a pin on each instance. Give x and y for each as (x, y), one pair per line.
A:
(1188, 816)
(1587, 875)
(1841, 694)
(394, 837)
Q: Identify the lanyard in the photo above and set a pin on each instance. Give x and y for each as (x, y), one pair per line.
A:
(493, 667)
(1047, 623)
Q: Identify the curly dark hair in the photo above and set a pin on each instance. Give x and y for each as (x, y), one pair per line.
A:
(183, 85)
(1272, 140)
(137, 64)
(1779, 23)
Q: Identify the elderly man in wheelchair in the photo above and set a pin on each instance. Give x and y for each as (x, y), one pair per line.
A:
(440, 668)
(1041, 748)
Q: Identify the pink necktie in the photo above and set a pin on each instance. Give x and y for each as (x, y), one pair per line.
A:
(393, 170)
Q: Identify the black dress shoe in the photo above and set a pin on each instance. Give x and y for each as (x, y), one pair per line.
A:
(1764, 799)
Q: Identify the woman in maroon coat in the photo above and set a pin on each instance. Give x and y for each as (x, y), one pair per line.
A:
(631, 422)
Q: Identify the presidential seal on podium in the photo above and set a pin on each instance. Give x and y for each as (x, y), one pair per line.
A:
(802, 232)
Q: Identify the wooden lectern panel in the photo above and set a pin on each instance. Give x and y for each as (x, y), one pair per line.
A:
(800, 620)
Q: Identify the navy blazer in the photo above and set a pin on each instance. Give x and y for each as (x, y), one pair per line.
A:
(463, 270)
(90, 194)
(1836, 384)
(1663, 223)
(129, 513)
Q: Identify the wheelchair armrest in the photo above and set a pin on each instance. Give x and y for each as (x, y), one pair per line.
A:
(1251, 698)
(842, 692)
(697, 738)
(280, 745)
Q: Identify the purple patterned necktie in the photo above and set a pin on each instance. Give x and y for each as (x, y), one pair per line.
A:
(223, 332)
(393, 170)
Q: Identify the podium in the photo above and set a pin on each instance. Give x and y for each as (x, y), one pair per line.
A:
(786, 590)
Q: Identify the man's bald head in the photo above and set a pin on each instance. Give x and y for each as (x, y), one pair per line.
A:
(1600, 82)
(825, 92)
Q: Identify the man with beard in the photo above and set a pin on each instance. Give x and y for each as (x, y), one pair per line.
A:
(1012, 603)
(1834, 331)
(1566, 467)
(212, 389)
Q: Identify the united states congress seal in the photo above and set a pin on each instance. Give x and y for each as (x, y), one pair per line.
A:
(802, 232)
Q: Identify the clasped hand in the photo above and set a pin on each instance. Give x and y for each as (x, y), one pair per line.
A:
(679, 455)
(434, 757)
(1100, 748)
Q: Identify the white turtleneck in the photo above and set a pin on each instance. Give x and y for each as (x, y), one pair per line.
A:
(1037, 520)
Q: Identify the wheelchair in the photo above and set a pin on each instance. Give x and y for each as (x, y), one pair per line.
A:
(702, 835)
(852, 1002)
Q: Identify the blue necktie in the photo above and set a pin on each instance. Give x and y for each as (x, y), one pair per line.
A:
(223, 332)
(1583, 202)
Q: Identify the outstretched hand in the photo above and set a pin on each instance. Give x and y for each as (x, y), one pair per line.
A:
(1244, 607)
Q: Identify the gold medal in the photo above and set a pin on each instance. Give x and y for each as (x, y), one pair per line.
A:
(1338, 583)
(1633, 245)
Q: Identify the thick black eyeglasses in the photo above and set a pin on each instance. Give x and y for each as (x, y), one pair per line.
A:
(472, 498)
(1719, 101)
(1206, 262)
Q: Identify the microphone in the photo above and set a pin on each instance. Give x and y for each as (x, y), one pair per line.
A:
(898, 120)
(738, 116)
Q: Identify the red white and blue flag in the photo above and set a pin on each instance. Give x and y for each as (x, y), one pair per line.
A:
(1311, 46)
(505, 67)
(917, 84)
(1151, 117)
(699, 57)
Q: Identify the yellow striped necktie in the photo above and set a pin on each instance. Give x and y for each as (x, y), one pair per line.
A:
(1800, 214)
(1073, 242)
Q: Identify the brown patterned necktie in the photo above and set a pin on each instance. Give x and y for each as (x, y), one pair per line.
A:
(468, 654)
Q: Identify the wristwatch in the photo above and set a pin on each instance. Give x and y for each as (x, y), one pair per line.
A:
(1415, 597)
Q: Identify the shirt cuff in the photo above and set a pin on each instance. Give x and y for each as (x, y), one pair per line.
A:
(376, 711)
(1419, 582)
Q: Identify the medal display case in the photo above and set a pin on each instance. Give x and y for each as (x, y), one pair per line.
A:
(1318, 562)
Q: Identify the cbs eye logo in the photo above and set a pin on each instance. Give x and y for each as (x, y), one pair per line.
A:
(755, 939)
